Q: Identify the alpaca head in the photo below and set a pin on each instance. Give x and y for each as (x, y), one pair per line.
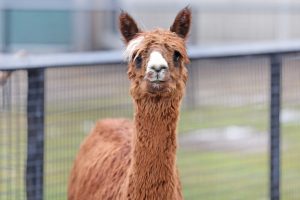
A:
(157, 58)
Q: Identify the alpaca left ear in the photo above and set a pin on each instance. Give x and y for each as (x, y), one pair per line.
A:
(128, 27)
(182, 23)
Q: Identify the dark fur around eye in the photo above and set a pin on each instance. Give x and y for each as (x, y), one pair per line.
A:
(138, 61)
(176, 58)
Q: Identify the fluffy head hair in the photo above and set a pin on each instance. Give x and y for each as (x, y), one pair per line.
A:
(170, 47)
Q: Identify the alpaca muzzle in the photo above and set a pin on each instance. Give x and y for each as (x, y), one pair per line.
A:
(157, 76)
(157, 68)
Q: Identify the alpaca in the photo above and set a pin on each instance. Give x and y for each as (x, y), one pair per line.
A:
(136, 160)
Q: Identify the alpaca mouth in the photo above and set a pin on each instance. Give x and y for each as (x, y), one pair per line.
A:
(157, 86)
(157, 81)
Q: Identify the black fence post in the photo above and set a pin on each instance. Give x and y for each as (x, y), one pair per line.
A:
(35, 140)
(276, 67)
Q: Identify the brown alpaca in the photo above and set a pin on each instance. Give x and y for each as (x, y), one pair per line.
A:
(136, 160)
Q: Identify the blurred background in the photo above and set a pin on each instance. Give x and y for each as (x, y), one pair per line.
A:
(224, 127)
(87, 25)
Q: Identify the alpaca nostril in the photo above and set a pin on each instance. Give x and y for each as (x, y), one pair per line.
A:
(158, 68)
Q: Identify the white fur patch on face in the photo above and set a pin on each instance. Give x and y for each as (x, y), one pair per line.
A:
(156, 67)
(156, 61)
(131, 47)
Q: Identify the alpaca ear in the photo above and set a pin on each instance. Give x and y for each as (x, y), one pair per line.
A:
(128, 26)
(182, 23)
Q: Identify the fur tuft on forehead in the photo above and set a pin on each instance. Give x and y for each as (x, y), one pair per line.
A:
(132, 47)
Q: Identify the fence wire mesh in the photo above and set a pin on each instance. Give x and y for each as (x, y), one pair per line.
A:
(290, 122)
(13, 136)
(224, 147)
(223, 128)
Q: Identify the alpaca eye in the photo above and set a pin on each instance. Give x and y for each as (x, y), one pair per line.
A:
(138, 61)
(176, 58)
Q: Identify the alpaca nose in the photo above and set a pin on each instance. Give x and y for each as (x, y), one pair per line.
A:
(158, 68)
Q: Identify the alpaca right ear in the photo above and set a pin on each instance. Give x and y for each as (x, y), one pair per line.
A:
(128, 26)
(181, 25)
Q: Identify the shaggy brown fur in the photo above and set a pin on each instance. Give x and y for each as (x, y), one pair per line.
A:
(125, 160)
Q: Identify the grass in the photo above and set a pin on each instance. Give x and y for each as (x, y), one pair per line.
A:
(223, 176)
(205, 175)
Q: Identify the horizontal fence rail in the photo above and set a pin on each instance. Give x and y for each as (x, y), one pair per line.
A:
(19, 62)
(36, 64)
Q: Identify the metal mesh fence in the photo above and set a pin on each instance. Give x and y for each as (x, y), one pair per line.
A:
(13, 135)
(76, 99)
(290, 121)
(224, 147)
(223, 128)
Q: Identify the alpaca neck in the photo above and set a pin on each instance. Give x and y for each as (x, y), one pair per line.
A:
(153, 173)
